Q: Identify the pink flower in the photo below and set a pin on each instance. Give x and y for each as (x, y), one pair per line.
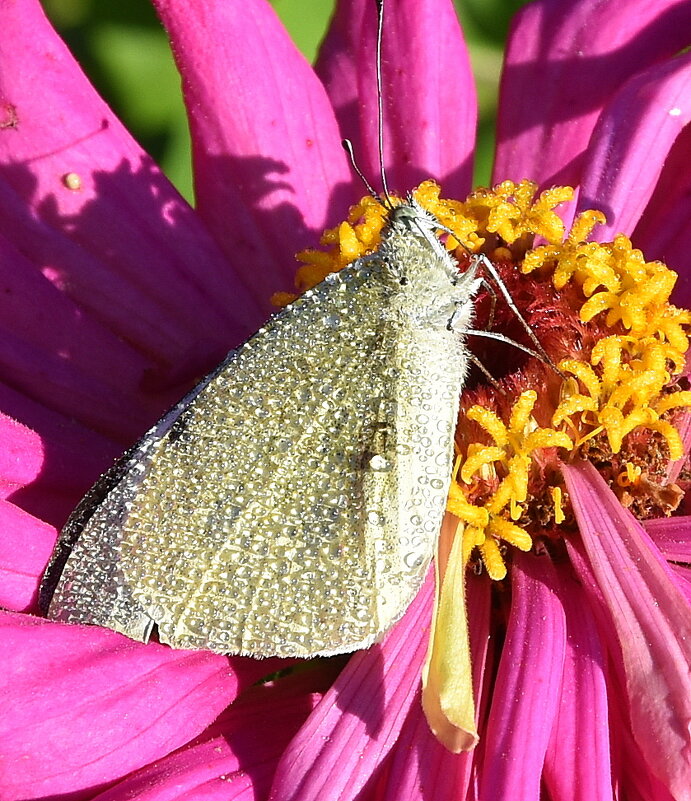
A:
(133, 295)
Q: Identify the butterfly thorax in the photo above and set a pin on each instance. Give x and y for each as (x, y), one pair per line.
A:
(432, 293)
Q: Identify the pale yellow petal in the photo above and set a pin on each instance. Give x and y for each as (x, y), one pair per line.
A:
(447, 681)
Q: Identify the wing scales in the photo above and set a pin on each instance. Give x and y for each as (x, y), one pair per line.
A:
(293, 506)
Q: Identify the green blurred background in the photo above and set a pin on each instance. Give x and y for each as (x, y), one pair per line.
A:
(123, 49)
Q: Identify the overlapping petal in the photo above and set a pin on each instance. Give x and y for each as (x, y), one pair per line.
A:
(114, 260)
(136, 293)
(420, 767)
(672, 535)
(25, 548)
(83, 706)
(525, 698)
(578, 763)
(268, 178)
(643, 611)
(236, 756)
(336, 753)
(564, 62)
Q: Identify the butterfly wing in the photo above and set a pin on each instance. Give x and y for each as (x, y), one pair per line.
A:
(289, 506)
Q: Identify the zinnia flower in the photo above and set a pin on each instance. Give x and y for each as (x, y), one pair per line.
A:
(580, 656)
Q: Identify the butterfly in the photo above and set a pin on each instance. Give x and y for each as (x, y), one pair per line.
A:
(290, 504)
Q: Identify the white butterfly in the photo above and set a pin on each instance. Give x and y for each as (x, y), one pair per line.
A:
(291, 503)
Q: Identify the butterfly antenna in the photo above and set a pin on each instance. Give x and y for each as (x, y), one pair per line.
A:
(388, 203)
(348, 147)
(541, 354)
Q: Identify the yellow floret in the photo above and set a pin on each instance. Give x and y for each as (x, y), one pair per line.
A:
(621, 386)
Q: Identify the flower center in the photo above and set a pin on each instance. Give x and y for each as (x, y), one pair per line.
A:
(603, 315)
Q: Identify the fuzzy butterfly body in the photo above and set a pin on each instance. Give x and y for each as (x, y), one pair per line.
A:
(291, 503)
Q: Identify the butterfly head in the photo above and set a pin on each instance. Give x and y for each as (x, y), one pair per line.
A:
(410, 217)
(433, 291)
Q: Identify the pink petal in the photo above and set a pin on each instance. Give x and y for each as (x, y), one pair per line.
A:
(429, 92)
(565, 60)
(528, 686)
(577, 763)
(632, 778)
(237, 755)
(122, 244)
(648, 621)
(43, 473)
(631, 142)
(56, 353)
(683, 577)
(83, 706)
(672, 535)
(269, 167)
(360, 717)
(338, 66)
(21, 455)
(419, 767)
(662, 233)
(26, 544)
(631, 773)
(47, 461)
(41, 355)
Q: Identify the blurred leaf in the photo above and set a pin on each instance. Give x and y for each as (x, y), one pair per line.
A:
(146, 86)
(306, 22)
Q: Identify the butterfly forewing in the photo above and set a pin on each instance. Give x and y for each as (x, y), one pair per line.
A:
(293, 505)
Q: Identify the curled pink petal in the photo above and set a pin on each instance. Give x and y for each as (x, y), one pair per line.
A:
(662, 232)
(525, 700)
(631, 142)
(47, 460)
(648, 622)
(565, 60)
(359, 719)
(428, 134)
(84, 706)
(269, 167)
(577, 762)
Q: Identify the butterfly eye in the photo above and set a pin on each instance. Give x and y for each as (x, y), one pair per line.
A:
(403, 281)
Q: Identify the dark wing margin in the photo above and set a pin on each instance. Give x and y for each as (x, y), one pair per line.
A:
(122, 470)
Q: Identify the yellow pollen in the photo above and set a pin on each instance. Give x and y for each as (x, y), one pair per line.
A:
(630, 476)
(510, 210)
(558, 499)
(620, 384)
(504, 502)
